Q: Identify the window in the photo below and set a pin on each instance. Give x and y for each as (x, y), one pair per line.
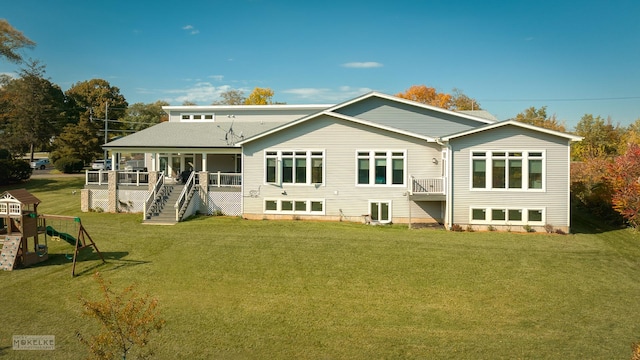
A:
(507, 170)
(294, 167)
(196, 117)
(381, 167)
(506, 216)
(294, 206)
(380, 211)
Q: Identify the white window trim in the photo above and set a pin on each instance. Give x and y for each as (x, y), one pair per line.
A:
(294, 212)
(525, 170)
(525, 215)
(372, 169)
(380, 202)
(309, 170)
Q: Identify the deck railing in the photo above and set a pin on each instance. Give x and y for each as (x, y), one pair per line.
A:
(99, 177)
(135, 178)
(225, 179)
(152, 198)
(428, 185)
(185, 196)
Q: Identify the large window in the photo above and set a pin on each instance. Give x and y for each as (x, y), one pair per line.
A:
(507, 170)
(381, 167)
(294, 167)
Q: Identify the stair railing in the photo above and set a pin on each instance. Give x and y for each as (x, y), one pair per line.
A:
(185, 196)
(151, 202)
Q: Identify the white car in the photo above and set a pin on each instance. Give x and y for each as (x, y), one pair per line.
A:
(40, 164)
(101, 165)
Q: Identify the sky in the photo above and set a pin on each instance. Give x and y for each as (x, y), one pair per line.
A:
(573, 57)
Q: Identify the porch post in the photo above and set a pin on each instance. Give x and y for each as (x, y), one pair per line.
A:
(203, 180)
(112, 206)
(204, 162)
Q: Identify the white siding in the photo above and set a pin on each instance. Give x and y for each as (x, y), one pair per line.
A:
(340, 140)
(554, 198)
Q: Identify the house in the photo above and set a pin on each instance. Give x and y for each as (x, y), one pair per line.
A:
(375, 158)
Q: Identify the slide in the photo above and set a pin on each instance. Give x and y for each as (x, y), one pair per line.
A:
(64, 236)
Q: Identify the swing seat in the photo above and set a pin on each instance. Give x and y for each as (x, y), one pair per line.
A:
(55, 238)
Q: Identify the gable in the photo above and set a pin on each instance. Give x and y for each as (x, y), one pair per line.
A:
(508, 137)
(420, 120)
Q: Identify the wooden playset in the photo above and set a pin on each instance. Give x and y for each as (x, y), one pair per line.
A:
(25, 235)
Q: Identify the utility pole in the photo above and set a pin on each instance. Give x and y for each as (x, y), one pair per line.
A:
(106, 131)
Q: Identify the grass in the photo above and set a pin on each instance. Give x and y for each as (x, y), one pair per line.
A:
(237, 289)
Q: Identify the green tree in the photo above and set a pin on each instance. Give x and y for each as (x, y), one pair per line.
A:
(34, 110)
(538, 117)
(259, 96)
(12, 40)
(77, 141)
(601, 138)
(141, 116)
(231, 97)
(127, 321)
(96, 100)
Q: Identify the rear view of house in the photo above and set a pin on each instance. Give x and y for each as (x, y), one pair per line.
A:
(375, 158)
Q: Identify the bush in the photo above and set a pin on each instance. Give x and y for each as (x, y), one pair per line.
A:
(12, 171)
(69, 165)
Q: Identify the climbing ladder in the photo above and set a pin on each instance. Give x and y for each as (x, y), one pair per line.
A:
(10, 252)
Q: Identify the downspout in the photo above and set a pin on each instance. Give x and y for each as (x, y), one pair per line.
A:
(448, 206)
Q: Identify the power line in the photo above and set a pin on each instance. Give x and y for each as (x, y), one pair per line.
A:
(567, 99)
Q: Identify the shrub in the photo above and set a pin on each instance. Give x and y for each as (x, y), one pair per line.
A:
(491, 228)
(69, 165)
(456, 227)
(548, 228)
(528, 228)
(12, 171)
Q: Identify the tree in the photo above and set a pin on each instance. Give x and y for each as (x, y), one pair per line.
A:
(624, 177)
(460, 101)
(96, 99)
(427, 95)
(34, 111)
(231, 97)
(77, 141)
(600, 138)
(259, 96)
(188, 103)
(629, 137)
(141, 116)
(127, 321)
(12, 40)
(538, 117)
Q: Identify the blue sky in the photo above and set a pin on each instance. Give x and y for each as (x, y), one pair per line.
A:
(573, 57)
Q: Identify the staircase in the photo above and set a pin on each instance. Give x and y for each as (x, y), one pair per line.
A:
(164, 213)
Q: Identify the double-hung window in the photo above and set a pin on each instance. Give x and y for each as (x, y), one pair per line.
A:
(380, 167)
(294, 167)
(517, 170)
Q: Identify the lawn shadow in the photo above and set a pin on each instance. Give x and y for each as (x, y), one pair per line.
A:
(583, 222)
(115, 259)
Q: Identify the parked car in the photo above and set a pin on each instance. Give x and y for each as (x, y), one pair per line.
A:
(135, 165)
(40, 164)
(101, 165)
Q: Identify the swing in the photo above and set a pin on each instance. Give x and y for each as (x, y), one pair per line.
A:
(42, 250)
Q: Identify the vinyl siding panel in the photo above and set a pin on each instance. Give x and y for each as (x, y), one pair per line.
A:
(554, 198)
(340, 140)
(410, 118)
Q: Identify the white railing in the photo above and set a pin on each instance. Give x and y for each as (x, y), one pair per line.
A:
(135, 178)
(225, 179)
(98, 177)
(185, 195)
(428, 185)
(151, 199)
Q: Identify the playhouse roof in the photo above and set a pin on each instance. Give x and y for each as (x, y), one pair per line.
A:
(21, 195)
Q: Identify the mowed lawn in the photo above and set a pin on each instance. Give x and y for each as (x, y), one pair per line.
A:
(236, 289)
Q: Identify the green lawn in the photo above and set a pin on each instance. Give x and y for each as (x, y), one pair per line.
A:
(237, 289)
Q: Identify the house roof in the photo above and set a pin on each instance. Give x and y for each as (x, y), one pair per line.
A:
(21, 195)
(464, 114)
(512, 122)
(192, 135)
(338, 116)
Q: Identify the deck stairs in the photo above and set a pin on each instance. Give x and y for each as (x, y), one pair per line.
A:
(163, 211)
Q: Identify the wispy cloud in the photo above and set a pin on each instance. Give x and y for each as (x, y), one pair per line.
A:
(362, 65)
(216, 77)
(327, 95)
(201, 92)
(191, 29)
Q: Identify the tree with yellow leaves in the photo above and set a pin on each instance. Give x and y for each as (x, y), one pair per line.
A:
(259, 96)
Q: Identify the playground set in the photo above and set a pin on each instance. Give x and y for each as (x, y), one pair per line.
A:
(25, 235)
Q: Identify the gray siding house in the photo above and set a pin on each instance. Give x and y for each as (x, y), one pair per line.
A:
(373, 159)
